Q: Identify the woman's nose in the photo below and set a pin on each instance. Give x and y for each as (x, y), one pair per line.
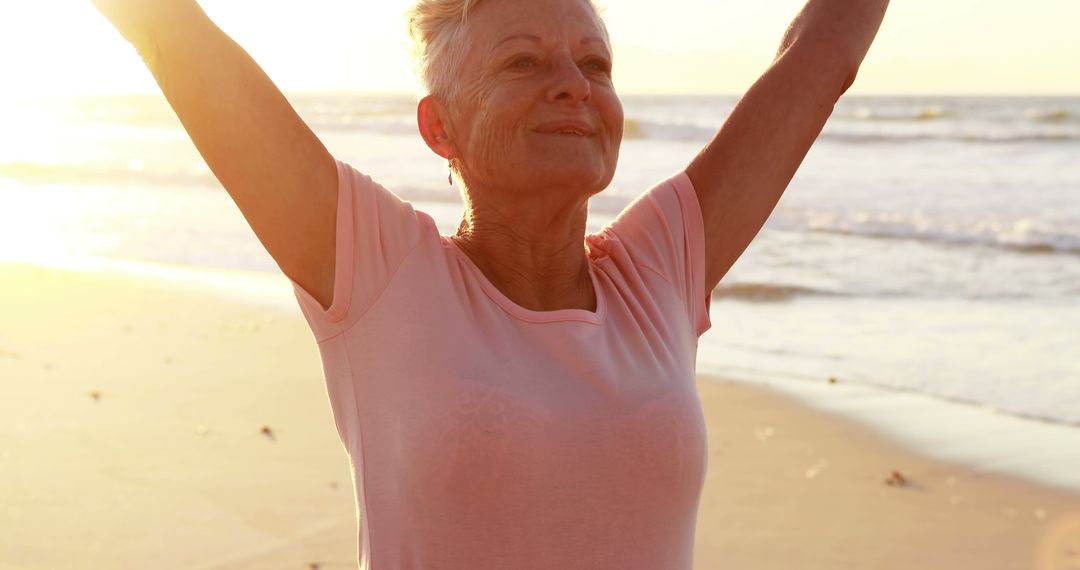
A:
(569, 82)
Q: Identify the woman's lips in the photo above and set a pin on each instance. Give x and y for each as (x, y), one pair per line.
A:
(566, 128)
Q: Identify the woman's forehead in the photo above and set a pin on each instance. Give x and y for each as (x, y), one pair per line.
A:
(532, 38)
(498, 23)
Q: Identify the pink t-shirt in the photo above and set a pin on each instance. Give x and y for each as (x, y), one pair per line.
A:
(483, 435)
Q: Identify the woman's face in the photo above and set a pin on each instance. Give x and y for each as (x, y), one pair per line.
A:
(534, 67)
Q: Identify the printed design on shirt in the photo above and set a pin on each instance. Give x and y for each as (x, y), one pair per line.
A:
(667, 441)
(488, 452)
(485, 440)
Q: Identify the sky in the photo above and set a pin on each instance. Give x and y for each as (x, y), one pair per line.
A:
(675, 46)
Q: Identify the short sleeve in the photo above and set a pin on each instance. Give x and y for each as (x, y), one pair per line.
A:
(663, 230)
(375, 232)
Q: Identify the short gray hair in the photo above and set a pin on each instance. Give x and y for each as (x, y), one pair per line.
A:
(437, 32)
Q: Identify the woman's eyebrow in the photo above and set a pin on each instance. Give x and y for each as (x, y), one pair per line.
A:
(536, 39)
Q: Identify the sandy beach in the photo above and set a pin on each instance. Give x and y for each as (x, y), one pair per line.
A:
(146, 425)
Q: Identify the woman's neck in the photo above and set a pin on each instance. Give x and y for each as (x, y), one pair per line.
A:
(538, 277)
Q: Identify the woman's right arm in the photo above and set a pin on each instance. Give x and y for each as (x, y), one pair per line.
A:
(272, 165)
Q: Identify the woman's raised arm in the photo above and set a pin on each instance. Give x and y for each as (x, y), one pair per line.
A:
(272, 165)
(741, 174)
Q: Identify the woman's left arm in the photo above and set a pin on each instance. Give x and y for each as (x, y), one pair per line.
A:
(741, 174)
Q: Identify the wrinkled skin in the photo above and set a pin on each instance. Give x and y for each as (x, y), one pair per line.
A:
(528, 191)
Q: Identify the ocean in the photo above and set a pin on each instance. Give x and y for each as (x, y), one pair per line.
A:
(926, 256)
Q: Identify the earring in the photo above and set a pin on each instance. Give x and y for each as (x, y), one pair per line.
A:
(449, 177)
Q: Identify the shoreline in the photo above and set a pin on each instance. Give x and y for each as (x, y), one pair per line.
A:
(171, 468)
(1034, 450)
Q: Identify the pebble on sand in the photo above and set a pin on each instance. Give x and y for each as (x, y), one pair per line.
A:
(95, 395)
(896, 479)
(832, 380)
(267, 432)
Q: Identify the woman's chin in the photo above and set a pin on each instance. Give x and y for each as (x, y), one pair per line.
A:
(567, 174)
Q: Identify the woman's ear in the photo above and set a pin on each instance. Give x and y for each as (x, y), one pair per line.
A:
(429, 117)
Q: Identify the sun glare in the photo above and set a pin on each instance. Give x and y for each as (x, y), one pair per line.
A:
(721, 50)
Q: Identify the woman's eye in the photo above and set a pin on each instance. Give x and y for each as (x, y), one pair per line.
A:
(526, 62)
(599, 65)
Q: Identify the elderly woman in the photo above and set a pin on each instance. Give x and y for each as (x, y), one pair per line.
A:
(518, 395)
